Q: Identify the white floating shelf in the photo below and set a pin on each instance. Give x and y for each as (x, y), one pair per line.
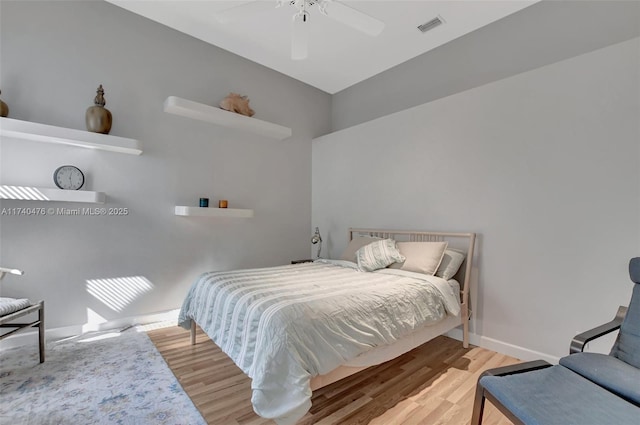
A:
(198, 111)
(213, 212)
(36, 132)
(29, 193)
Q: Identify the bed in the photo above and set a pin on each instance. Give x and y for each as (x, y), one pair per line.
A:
(296, 328)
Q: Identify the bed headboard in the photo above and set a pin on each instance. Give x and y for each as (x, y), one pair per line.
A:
(462, 241)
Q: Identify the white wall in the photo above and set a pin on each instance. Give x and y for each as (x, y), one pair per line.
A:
(542, 165)
(53, 56)
(541, 34)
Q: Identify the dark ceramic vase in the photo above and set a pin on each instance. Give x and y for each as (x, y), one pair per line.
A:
(98, 118)
(4, 109)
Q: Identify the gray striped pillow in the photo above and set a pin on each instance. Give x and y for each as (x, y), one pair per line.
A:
(378, 255)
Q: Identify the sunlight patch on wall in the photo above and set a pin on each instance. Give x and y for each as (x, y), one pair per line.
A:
(93, 321)
(94, 318)
(22, 192)
(118, 292)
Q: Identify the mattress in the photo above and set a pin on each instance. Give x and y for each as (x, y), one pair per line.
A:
(384, 353)
(284, 325)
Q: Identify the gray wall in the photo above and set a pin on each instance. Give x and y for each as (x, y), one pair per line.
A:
(542, 165)
(54, 55)
(538, 35)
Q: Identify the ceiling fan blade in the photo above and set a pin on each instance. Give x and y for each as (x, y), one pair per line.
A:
(299, 38)
(237, 13)
(354, 18)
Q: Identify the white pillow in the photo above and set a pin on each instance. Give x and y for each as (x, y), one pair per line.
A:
(421, 257)
(451, 262)
(355, 244)
(378, 255)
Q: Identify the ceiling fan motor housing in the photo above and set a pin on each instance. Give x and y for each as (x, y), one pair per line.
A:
(302, 5)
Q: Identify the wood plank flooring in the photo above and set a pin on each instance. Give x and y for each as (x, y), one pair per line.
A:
(432, 385)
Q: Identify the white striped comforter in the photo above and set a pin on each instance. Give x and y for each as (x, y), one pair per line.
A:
(283, 325)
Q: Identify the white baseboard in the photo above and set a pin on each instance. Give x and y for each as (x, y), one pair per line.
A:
(55, 334)
(502, 347)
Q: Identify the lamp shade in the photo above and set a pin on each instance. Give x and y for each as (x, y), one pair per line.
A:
(4, 270)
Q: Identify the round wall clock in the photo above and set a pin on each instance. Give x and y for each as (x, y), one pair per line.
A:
(68, 177)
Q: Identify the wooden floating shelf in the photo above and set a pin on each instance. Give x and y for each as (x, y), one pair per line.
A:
(36, 132)
(212, 212)
(29, 193)
(198, 111)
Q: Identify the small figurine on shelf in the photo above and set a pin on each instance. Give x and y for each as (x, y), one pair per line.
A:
(98, 118)
(238, 104)
(4, 108)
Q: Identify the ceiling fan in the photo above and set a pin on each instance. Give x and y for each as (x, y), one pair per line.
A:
(300, 22)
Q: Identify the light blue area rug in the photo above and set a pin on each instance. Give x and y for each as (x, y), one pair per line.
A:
(106, 378)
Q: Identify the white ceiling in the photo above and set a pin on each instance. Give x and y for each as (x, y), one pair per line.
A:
(339, 56)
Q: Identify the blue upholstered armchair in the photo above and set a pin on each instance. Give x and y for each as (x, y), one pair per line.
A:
(585, 388)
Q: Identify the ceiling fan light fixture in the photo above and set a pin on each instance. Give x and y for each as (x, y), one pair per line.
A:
(335, 10)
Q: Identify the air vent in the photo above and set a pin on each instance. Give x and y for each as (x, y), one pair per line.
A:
(435, 22)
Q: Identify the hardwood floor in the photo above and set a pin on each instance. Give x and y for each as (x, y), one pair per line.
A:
(433, 385)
